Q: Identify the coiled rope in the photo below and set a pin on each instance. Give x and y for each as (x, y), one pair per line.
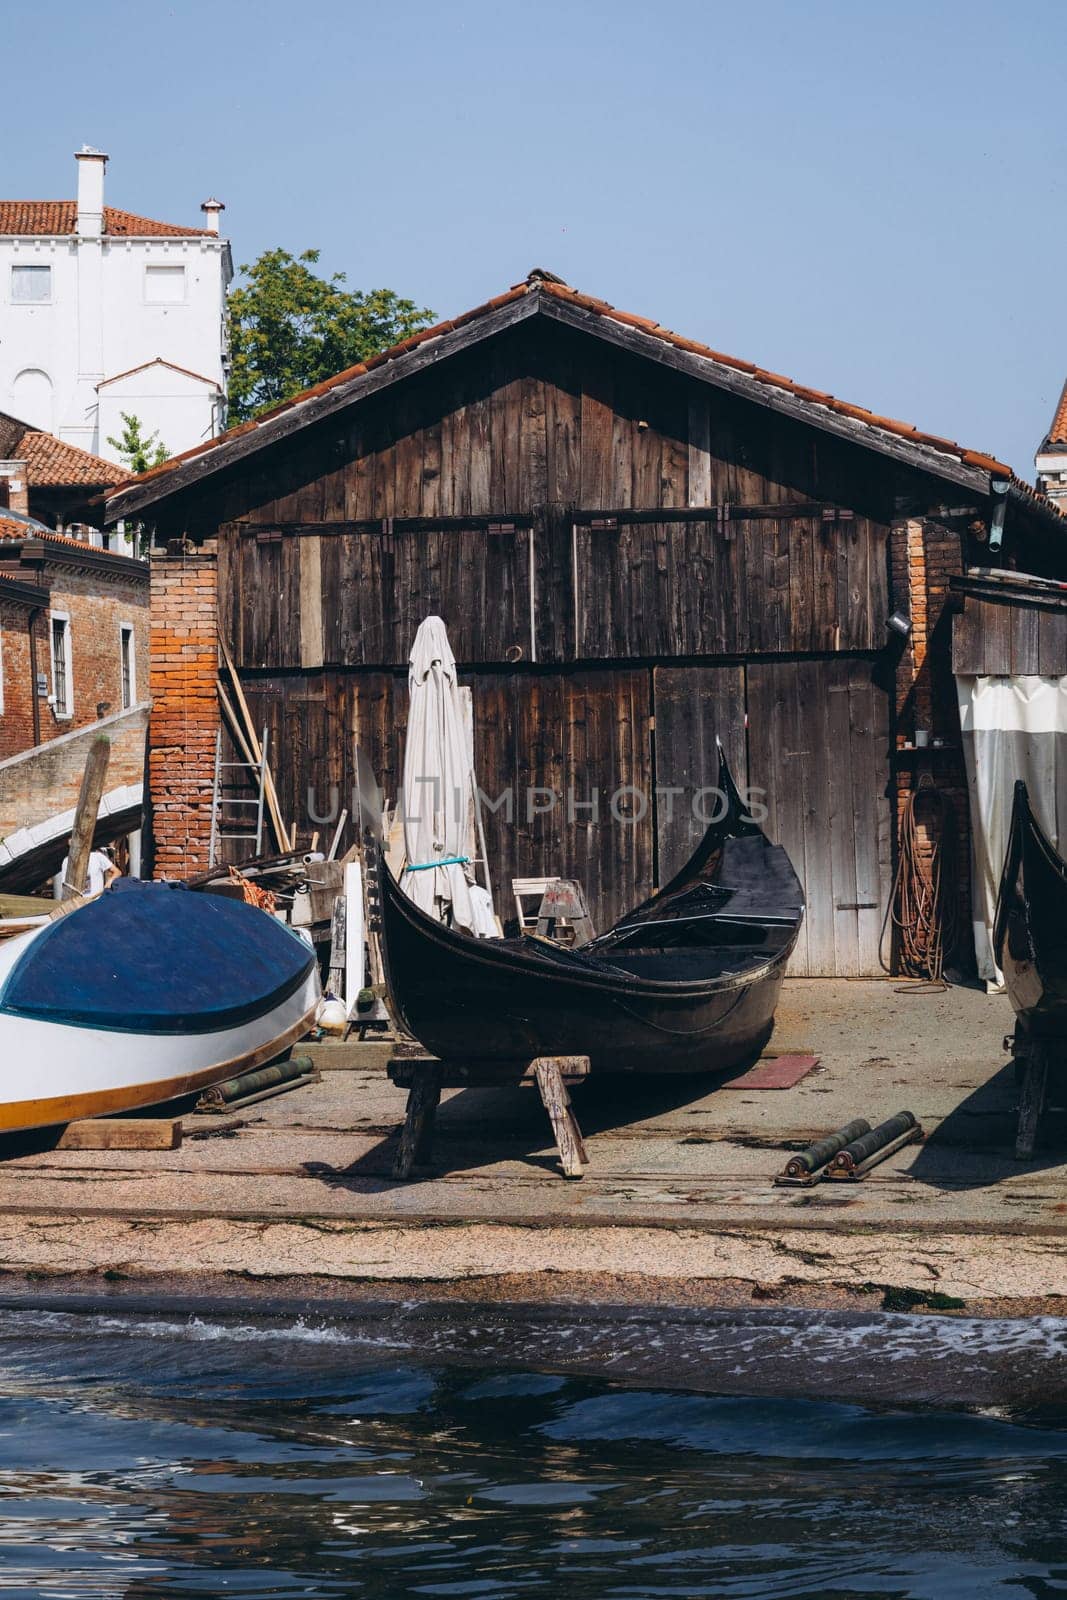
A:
(925, 903)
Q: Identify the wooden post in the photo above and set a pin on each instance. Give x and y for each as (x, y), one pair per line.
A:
(557, 1103)
(81, 834)
(1032, 1100)
(416, 1140)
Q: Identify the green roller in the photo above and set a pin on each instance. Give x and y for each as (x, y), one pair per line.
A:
(819, 1153)
(263, 1078)
(869, 1143)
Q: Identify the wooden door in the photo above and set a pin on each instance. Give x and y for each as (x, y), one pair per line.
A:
(818, 744)
(693, 706)
(563, 760)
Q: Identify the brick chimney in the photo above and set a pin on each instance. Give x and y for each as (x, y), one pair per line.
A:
(91, 166)
(211, 209)
(14, 486)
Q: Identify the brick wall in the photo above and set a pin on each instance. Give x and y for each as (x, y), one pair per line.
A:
(42, 783)
(16, 720)
(924, 555)
(98, 606)
(185, 713)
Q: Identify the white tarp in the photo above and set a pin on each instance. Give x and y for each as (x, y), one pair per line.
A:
(1012, 728)
(438, 785)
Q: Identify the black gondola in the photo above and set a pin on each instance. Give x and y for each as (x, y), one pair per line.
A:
(687, 982)
(1030, 930)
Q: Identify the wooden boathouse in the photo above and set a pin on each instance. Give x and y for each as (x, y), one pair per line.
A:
(637, 544)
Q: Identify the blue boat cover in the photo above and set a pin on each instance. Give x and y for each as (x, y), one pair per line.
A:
(157, 958)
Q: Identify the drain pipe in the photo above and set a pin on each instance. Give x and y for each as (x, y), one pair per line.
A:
(35, 699)
(999, 489)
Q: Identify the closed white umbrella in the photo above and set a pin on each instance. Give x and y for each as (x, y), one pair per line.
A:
(438, 784)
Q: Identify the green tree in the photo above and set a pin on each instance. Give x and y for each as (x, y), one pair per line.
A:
(138, 452)
(290, 328)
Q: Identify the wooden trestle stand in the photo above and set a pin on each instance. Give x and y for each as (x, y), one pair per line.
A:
(425, 1076)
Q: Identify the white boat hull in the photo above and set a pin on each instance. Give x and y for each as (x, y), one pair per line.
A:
(53, 1072)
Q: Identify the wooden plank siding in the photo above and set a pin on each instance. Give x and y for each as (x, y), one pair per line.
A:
(818, 744)
(1012, 634)
(628, 563)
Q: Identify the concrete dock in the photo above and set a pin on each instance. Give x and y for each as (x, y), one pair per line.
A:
(678, 1206)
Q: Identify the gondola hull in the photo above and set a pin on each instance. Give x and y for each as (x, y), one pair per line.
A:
(142, 996)
(688, 983)
(1030, 930)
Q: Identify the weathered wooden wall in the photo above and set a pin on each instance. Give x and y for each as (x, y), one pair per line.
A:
(1010, 635)
(628, 563)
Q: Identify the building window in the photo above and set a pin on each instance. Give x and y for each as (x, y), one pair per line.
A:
(62, 688)
(164, 286)
(126, 657)
(31, 285)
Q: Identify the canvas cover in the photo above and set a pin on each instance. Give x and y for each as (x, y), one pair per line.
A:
(1012, 728)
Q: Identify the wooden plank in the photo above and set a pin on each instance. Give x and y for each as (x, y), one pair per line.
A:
(94, 777)
(693, 706)
(1052, 644)
(312, 653)
(773, 743)
(563, 428)
(556, 1101)
(812, 758)
(597, 437)
(842, 823)
(1025, 641)
(1032, 1100)
(873, 816)
(416, 1137)
(122, 1133)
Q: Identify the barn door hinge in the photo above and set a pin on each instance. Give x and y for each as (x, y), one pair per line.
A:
(837, 514)
(856, 905)
(500, 527)
(604, 524)
(722, 520)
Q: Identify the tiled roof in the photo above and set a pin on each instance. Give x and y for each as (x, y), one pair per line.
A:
(51, 462)
(50, 217)
(14, 528)
(1057, 434)
(547, 284)
(30, 532)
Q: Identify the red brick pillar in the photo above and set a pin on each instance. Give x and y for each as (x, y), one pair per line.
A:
(184, 655)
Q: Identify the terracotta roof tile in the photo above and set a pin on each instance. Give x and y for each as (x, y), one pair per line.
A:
(51, 462)
(50, 217)
(29, 532)
(1057, 434)
(546, 284)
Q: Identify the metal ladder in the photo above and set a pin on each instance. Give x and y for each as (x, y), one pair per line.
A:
(219, 802)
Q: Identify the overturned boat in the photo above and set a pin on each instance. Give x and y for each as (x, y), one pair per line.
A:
(143, 995)
(1030, 929)
(687, 982)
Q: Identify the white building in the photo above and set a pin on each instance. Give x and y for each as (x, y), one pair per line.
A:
(103, 312)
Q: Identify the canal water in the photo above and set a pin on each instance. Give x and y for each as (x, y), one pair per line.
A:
(398, 1453)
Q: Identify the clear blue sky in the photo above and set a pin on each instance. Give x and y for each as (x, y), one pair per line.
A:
(868, 198)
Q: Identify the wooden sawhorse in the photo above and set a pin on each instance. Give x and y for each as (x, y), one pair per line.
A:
(424, 1077)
